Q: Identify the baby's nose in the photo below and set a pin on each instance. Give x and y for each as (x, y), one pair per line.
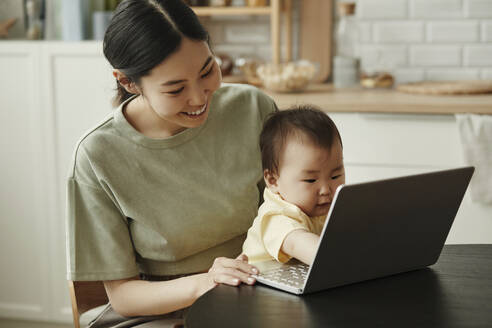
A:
(325, 190)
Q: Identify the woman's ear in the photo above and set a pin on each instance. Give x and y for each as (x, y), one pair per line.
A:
(125, 82)
(271, 180)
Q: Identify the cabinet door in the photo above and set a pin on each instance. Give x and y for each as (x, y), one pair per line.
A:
(400, 140)
(379, 146)
(24, 231)
(79, 88)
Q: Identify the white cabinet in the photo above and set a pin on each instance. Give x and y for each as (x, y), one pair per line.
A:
(390, 145)
(24, 240)
(52, 92)
(79, 86)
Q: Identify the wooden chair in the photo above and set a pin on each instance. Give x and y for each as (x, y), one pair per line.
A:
(85, 295)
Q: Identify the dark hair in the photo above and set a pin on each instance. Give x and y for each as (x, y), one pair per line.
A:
(142, 33)
(306, 120)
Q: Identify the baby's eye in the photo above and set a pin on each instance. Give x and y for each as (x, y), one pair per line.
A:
(309, 180)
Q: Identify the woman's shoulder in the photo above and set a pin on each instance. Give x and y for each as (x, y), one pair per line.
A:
(233, 90)
(92, 142)
(92, 137)
(243, 97)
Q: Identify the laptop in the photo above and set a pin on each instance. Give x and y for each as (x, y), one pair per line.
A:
(377, 229)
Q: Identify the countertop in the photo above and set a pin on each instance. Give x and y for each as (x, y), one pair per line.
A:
(383, 101)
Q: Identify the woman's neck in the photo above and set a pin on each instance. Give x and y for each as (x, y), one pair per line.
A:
(145, 120)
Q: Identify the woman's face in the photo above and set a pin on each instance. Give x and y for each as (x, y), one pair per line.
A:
(179, 89)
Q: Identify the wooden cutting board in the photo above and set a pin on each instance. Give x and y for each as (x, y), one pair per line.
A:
(315, 35)
(447, 87)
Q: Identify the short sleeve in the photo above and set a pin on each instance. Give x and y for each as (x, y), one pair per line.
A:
(274, 230)
(99, 246)
(99, 243)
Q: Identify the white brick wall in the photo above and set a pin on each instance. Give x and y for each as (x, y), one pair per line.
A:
(426, 39)
(487, 31)
(436, 9)
(383, 9)
(415, 39)
(453, 31)
(398, 32)
(435, 55)
(478, 8)
(479, 55)
(487, 74)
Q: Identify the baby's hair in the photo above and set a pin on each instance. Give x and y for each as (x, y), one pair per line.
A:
(302, 120)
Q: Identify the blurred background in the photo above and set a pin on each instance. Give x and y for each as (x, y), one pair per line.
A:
(408, 82)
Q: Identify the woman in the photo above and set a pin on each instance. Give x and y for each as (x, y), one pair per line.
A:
(165, 188)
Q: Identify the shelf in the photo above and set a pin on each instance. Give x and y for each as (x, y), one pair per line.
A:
(231, 11)
(274, 10)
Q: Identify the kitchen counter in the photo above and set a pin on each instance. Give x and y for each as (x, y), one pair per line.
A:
(383, 101)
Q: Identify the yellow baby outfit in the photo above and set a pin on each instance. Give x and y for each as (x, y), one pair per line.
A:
(276, 219)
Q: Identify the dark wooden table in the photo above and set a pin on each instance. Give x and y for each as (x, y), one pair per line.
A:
(455, 292)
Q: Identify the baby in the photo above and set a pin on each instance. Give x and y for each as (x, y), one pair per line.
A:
(302, 163)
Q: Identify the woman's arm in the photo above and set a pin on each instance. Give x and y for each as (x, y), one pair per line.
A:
(302, 245)
(134, 297)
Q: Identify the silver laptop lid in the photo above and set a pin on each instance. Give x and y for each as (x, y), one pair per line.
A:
(385, 227)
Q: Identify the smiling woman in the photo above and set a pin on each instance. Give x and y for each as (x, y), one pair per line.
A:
(164, 108)
(162, 192)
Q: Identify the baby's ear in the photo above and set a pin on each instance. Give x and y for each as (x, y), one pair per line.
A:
(270, 180)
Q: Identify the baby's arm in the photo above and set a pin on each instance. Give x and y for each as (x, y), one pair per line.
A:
(302, 245)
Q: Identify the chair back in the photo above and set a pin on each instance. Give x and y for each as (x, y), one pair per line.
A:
(85, 295)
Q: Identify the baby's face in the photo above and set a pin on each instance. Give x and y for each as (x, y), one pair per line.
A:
(308, 175)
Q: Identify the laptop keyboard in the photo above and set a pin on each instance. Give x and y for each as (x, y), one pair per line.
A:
(289, 274)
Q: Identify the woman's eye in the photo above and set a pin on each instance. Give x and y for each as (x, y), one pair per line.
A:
(310, 180)
(207, 73)
(336, 177)
(175, 92)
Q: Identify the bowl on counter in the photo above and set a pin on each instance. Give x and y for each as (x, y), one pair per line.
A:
(287, 77)
(247, 65)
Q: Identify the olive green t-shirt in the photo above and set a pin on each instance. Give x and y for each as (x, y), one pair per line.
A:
(165, 206)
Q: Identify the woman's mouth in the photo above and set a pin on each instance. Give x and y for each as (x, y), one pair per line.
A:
(197, 113)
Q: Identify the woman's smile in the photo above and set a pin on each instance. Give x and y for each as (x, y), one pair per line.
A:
(198, 113)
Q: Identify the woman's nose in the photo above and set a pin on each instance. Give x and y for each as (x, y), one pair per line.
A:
(198, 96)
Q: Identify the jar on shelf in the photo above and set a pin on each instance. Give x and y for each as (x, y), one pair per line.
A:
(256, 3)
(34, 24)
(347, 33)
(101, 17)
(346, 61)
(378, 74)
(219, 3)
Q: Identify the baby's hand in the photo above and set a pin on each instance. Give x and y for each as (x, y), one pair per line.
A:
(232, 271)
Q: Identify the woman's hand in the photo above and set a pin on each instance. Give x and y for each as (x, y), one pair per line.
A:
(232, 271)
